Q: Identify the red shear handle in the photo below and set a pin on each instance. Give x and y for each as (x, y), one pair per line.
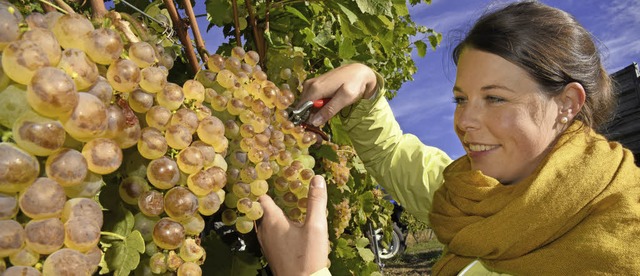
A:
(321, 102)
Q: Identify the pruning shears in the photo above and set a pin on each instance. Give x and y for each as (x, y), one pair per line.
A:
(299, 116)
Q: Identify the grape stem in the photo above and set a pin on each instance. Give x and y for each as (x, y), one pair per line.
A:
(98, 8)
(64, 9)
(111, 234)
(181, 29)
(236, 22)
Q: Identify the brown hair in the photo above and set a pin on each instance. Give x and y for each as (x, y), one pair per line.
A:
(552, 47)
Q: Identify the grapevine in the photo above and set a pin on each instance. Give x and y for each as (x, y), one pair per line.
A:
(116, 160)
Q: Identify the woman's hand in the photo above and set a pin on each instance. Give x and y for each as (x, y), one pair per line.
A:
(345, 85)
(292, 248)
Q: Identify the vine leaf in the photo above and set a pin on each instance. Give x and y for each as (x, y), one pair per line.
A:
(297, 13)
(124, 256)
(350, 15)
(375, 7)
(435, 40)
(325, 151)
(365, 253)
(422, 48)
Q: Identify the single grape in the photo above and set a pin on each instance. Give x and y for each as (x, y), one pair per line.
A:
(103, 155)
(131, 188)
(173, 261)
(94, 256)
(168, 234)
(178, 136)
(44, 236)
(259, 187)
(81, 234)
(68, 167)
(102, 89)
(215, 63)
(143, 54)
(229, 217)
(123, 75)
(158, 263)
(9, 25)
(69, 28)
(52, 92)
(39, 135)
(89, 188)
(158, 117)
(171, 96)
(186, 117)
(208, 153)
(256, 212)
(85, 208)
(180, 203)
(116, 122)
(244, 225)
(152, 144)
(209, 204)
(44, 198)
(8, 206)
(21, 270)
(252, 58)
(82, 70)
(153, 79)
(87, 120)
(163, 173)
(193, 90)
(47, 41)
(145, 225)
(67, 261)
(151, 203)
(193, 225)
(24, 58)
(210, 129)
(12, 237)
(227, 79)
(130, 134)
(103, 45)
(140, 101)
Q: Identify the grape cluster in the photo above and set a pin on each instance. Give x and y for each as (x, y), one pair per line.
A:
(213, 144)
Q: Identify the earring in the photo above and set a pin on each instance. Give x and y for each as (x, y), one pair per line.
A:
(564, 120)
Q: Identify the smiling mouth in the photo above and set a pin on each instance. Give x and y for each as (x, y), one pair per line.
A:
(480, 147)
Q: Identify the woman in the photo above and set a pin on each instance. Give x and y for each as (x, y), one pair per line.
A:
(538, 192)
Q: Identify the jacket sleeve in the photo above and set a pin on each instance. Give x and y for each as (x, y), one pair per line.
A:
(407, 169)
(322, 272)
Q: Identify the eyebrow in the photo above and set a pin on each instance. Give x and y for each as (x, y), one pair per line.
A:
(486, 87)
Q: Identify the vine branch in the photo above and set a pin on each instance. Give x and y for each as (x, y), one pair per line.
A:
(98, 9)
(236, 22)
(258, 35)
(195, 30)
(181, 29)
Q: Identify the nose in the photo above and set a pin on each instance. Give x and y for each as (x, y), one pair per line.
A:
(467, 117)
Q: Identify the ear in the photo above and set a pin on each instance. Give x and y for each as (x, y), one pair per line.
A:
(572, 99)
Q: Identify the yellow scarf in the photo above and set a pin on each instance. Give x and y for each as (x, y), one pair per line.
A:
(577, 214)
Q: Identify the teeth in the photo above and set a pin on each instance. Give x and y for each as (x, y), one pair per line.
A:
(476, 147)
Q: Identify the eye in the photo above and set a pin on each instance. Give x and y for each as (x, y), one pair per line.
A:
(494, 99)
(459, 100)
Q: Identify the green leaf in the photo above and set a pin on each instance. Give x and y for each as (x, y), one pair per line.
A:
(122, 257)
(350, 15)
(338, 134)
(366, 254)
(135, 241)
(325, 151)
(367, 201)
(375, 7)
(297, 13)
(346, 50)
(362, 242)
(327, 63)
(343, 250)
(435, 40)
(219, 12)
(422, 48)
(120, 220)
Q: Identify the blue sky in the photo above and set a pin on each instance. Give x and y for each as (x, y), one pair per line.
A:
(424, 107)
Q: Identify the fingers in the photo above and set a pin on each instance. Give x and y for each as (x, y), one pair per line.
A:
(272, 213)
(340, 99)
(317, 201)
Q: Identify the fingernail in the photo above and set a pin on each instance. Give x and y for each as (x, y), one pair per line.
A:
(316, 120)
(318, 184)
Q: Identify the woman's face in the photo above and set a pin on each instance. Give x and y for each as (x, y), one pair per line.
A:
(504, 122)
